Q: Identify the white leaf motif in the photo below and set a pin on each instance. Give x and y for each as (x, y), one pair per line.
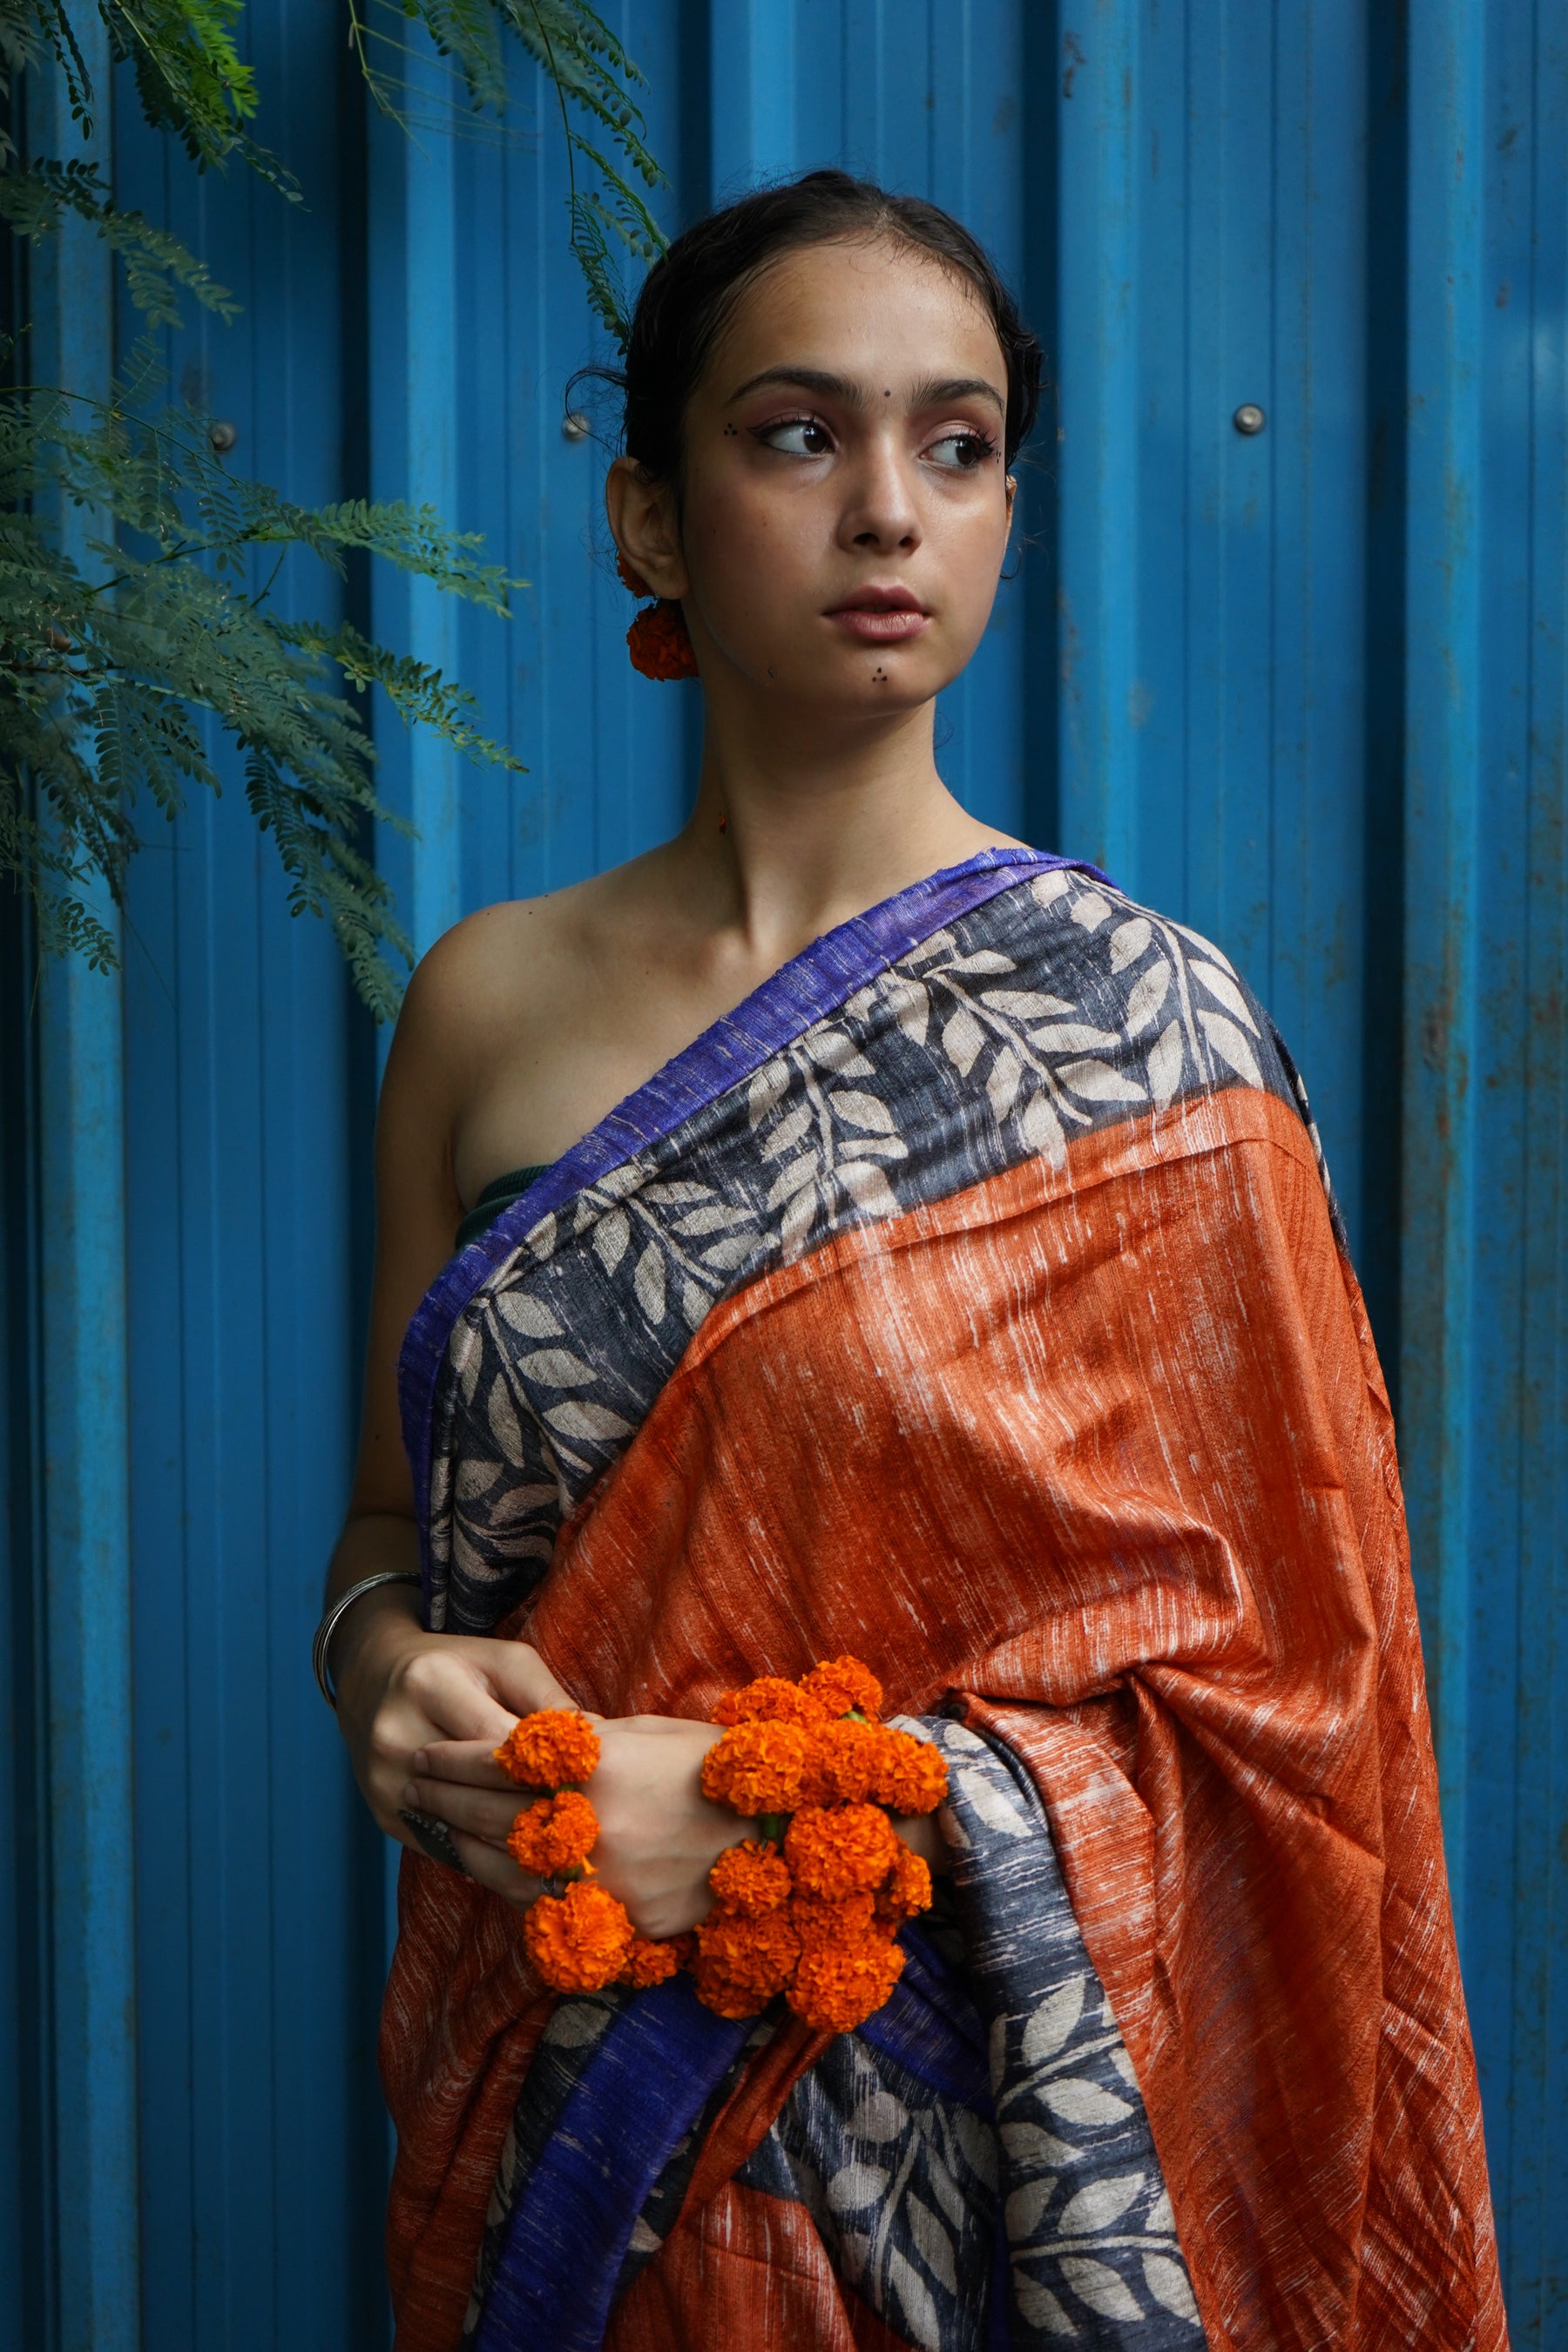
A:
(1167, 2283)
(694, 1304)
(1101, 2288)
(1221, 986)
(886, 1147)
(677, 1190)
(931, 2239)
(995, 1810)
(787, 1133)
(1001, 1085)
(1049, 888)
(1128, 941)
(1146, 995)
(648, 1283)
(834, 1049)
(854, 2186)
(878, 2116)
(1100, 2206)
(710, 1220)
(574, 2023)
(961, 1040)
(530, 1316)
(910, 1005)
(862, 1110)
(920, 2322)
(1053, 2021)
(726, 1255)
(1071, 1038)
(1023, 1003)
(1040, 2308)
(611, 1235)
(1025, 2206)
(1028, 2144)
(1098, 1082)
(868, 1187)
(1042, 1130)
(768, 1088)
(1159, 2216)
(541, 1242)
(984, 960)
(578, 1418)
(1228, 1042)
(945, 2190)
(500, 1421)
(797, 1222)
(1078, 2101)
(1165, 1058)
(557, 1367)
(788, 1181)
(974, 2137)
(1091, 910)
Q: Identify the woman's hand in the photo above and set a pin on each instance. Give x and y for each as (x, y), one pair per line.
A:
(659, 1835)
(400, 1689)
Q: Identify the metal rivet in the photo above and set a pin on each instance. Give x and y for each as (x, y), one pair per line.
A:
(222, 435)
(575, 426)
(1249, 418)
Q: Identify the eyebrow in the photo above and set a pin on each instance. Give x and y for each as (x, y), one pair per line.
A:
(933, 393)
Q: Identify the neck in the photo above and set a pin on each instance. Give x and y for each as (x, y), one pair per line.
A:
(819, 821)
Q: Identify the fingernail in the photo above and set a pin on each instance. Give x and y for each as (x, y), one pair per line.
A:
(422, 1759)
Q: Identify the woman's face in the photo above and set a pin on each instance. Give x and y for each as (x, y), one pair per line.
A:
(845, 506)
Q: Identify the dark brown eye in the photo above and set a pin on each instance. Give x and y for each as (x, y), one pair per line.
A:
(798, 436)
(960, 453)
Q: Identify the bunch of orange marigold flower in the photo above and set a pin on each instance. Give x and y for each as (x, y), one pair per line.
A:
(810, 1908)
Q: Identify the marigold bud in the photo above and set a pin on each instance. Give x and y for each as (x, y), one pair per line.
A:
(579, 1941)
(742, 1963)
(770, 1699)
(836, 1987)
(846, 1850)
(843, 1684)
(549, 1749)
(751, 1878)
(817, 1921)
(653, 1960)
(906, 1890)
(557, 1834)
(908, 1774)
(842, 1763)
(757, 1768)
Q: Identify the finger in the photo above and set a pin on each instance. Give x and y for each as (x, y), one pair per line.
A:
(520, 1678)
(469, 1761)
(452, 1694)
(496, 1869)
(477, 1811)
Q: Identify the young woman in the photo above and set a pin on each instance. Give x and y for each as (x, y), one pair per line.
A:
(877, 1236)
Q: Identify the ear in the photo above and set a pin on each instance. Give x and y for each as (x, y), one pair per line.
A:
(643, 519)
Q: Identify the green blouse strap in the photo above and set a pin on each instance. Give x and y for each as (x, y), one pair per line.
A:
(493, 1199)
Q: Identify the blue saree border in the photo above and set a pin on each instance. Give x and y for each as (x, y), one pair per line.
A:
(788, 1003)
(568, 2234)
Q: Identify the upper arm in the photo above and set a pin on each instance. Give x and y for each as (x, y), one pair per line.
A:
(417, 1204)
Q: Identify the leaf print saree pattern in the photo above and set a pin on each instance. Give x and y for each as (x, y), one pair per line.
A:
(972, 1300)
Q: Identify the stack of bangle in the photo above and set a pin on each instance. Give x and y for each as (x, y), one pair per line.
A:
(322, 1646)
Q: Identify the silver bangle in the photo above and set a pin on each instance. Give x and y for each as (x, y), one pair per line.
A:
(345, 1602)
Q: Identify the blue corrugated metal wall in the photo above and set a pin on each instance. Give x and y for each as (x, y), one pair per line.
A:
(1305, 688)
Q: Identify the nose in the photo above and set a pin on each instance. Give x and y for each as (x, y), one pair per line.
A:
(881, 512)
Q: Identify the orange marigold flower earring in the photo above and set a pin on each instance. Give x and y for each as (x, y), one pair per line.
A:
(656, 641)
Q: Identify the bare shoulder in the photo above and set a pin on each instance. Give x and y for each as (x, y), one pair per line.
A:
(505, 966)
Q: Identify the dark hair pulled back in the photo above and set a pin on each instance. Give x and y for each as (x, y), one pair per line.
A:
(692, 290)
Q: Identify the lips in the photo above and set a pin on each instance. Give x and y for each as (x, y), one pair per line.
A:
(880, 615)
